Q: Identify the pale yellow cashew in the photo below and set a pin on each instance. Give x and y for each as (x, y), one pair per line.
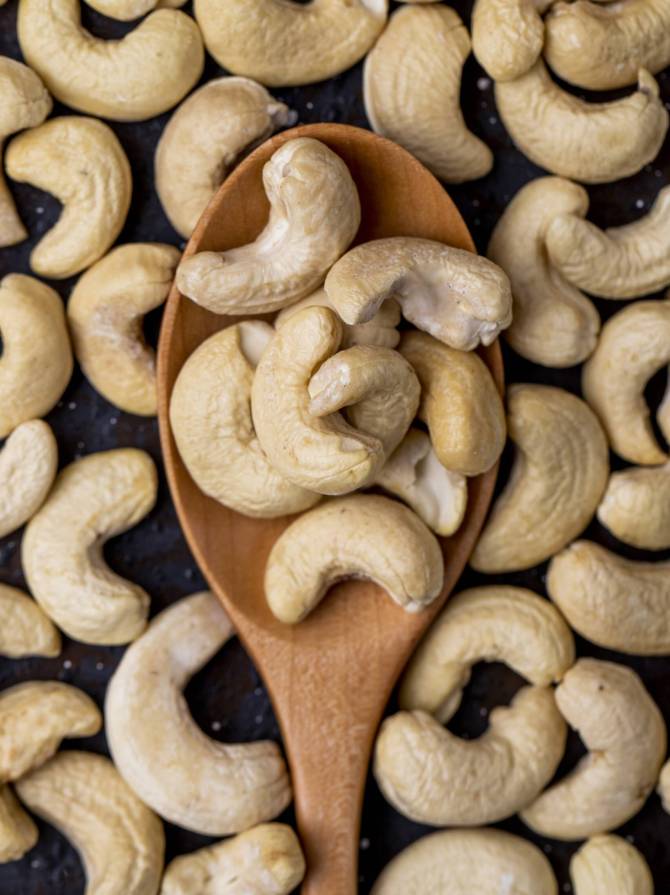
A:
(127, 10)
(609, 865)
(508, 35)
(636, 506)
(663, 787)
(28, 463)
(24, 629)
(18, 833)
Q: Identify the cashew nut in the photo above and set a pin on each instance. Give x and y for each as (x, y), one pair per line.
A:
(362, 536)
(412, 87)
(460, 404)
(36, 359)
(609, 865)
(625, 734)
(591, 142)
(210, 415)
(23, 103)
(663, 787)
(203, 139)
(28, 464)
(128, 10)
(558, 478)
(414, 474)
(24, 629)
(553, 323)
(183, 775)
(508, 35)
(460, 862)
(105, 313)
(145, 73)
(266, 860)
(620, 262)
(498, 623)
(92, 500)
(314, 214)
(601, 45)
(459, 298)
(81, 162)
(18, 833)
(286, 44)
(636, 507)
(120, 841)
(634, 344)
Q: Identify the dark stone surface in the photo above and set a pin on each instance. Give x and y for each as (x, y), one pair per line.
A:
(228, 691)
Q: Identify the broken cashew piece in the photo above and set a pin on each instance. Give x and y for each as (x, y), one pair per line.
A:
(36, 360)
(18, 833)
(92, 500)
(128, 10)
(314, 214)
(105, 313)
(459, 298)
(624, 732)
(364, 536)
(636, 507)
(23, 103)
(412, 87)
(204, 138)
(460, 404)
(120, 79)
(558, 478)
(28, 463)
(508, 35)
(80, 162)
(266, 860)
(210, 416)
(120, 841)
(182, 774)
(609, 865)
(24, 629)
(589, 142)
(554, 324)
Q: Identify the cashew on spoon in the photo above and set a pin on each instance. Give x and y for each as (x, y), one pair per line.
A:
(636, 506)
(28, 463)
(18, 833)
(25, 630)
(609, 865)
(508, 35)
(186, 777)
(314, 215)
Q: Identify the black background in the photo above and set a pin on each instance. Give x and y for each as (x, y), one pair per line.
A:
(228, 693)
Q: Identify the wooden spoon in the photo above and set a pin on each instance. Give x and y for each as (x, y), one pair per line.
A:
(331, 676)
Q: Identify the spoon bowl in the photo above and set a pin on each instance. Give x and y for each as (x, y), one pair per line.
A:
(330, 677)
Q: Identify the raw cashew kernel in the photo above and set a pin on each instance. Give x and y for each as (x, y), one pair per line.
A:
(364, 536)
(128, 10)
(24, 629)
(459, 298)
(412, 87)
(81, 162)
(18, 833)
(105, 313)
(28, 463)
(508, 35)
(182, 774)
(636, 507)
(625, 734)
(663, 788)
(314, 214)
(609, 865)
(558, 478)
(92, 500)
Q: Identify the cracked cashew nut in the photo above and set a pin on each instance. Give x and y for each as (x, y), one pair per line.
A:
(92, 500)
(636, 507)
(24, 629)
(18, 833)
(28, 463)
(609, 865)
(508, 35)
(182, 774)
(558, 478)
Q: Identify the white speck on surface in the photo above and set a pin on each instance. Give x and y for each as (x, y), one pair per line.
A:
(476, 203)
(567, 887)
(309, 105)
(72, 405)
(99, 666)
(216, 725)
(493, 120)
(639, 203)
(365, 844)
(67, 664)
(483, 83)
(630, 838)
(258, 719)
(258, 691)
(113, 420)
(188, 573)
(483, 711)
(36, 864)
(39, 210)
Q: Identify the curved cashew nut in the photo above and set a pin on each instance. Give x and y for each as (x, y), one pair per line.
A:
(28, 464)
(636, 507)
(459, 298)
(120, 79)
(414, 474)
(365, 536)
(508, 36)
(461, 862)
(128, 10)
(24, 629)
(183, 775)
(615, 602)
(297, 43)
(625, 734)
(23, 103)
(460, 404)
(663, 787)
(210, 415)
(556, 483)
(81, 162)
(93, 499)
(412, 87)
(553, 323)
(266, 860)
(498, 623)
(105, 313)
(36, 360)
(119, 840)
(314, 214)
(18, 833)
(601, 46)
(634, 344)
(591, 142)
(620, 262)
(204, 137)
(610, 864)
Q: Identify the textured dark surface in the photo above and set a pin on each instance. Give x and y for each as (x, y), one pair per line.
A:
(227, 698)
